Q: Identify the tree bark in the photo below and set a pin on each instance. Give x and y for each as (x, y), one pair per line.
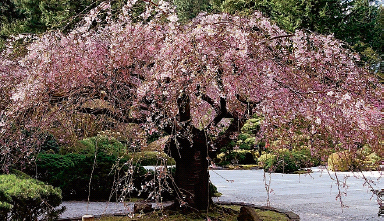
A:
(189, 148)
(192, 177)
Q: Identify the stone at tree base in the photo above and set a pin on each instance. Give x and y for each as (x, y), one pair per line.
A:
(87, 218)
(142, 208)
(248, 214)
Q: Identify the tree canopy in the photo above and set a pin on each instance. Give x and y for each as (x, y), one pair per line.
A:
(357, 22)
(186, 79)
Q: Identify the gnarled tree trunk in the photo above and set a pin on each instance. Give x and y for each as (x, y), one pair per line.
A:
(192, 177)
(189, 148)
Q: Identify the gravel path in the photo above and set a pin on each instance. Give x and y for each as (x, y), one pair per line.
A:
(312, 197)
(79, 208)
(76, 209)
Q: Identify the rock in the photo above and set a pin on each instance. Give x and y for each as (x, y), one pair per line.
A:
(87, 218)
(248, 214)
(142, 208)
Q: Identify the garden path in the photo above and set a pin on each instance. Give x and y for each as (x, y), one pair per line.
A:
(311, 196)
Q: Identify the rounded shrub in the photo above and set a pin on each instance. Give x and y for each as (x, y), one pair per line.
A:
(286, 161)
(107, 145)
(341, 161)
(72, 173)
(150, 158)
(24, 198)
(267, 161)
(362, 159)
(236, 157)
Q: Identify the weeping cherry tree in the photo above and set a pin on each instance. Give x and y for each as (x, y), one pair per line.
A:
(188, 80)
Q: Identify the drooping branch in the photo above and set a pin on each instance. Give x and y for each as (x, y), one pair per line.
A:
(221, 110)
(236, 124)
(111, 114)
(250, 104)
(277, 37)
(227, 136)
(184, 108)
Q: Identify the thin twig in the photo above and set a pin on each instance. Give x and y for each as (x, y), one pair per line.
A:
(230, 181)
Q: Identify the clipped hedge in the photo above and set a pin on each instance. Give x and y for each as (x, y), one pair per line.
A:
(72, 173)
(88, 146)
(341, 161)
(150, 158)
(24, 198)
(346, 161)
(101, 159)
(286, 161)
(236, 157)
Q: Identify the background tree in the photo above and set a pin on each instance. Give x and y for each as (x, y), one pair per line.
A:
(184, 80)
(38, 16)
(188, 9)
(356, 22)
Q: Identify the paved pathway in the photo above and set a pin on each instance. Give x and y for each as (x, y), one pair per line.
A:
(312, 197)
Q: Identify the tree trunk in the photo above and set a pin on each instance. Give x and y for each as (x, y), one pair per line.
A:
(192, 177)
(189, 148)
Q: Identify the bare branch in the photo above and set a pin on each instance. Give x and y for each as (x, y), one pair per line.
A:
(210, 101)
(289, 88)
(109, 113)
(225, 138)
(250, 104)
(277, 37)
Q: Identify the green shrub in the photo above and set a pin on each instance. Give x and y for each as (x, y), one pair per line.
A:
(341, 161)
(363, 159)
(244, 136)
(236, 157)
(372, 161)
(213, 190)
(72, 173)
(285, 161)
(252, 126)
(267, 160)
(28, 199)
(107, 145)
(246, 139)
(150, 158)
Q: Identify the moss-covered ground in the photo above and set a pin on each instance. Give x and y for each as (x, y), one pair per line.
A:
(218, 213)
